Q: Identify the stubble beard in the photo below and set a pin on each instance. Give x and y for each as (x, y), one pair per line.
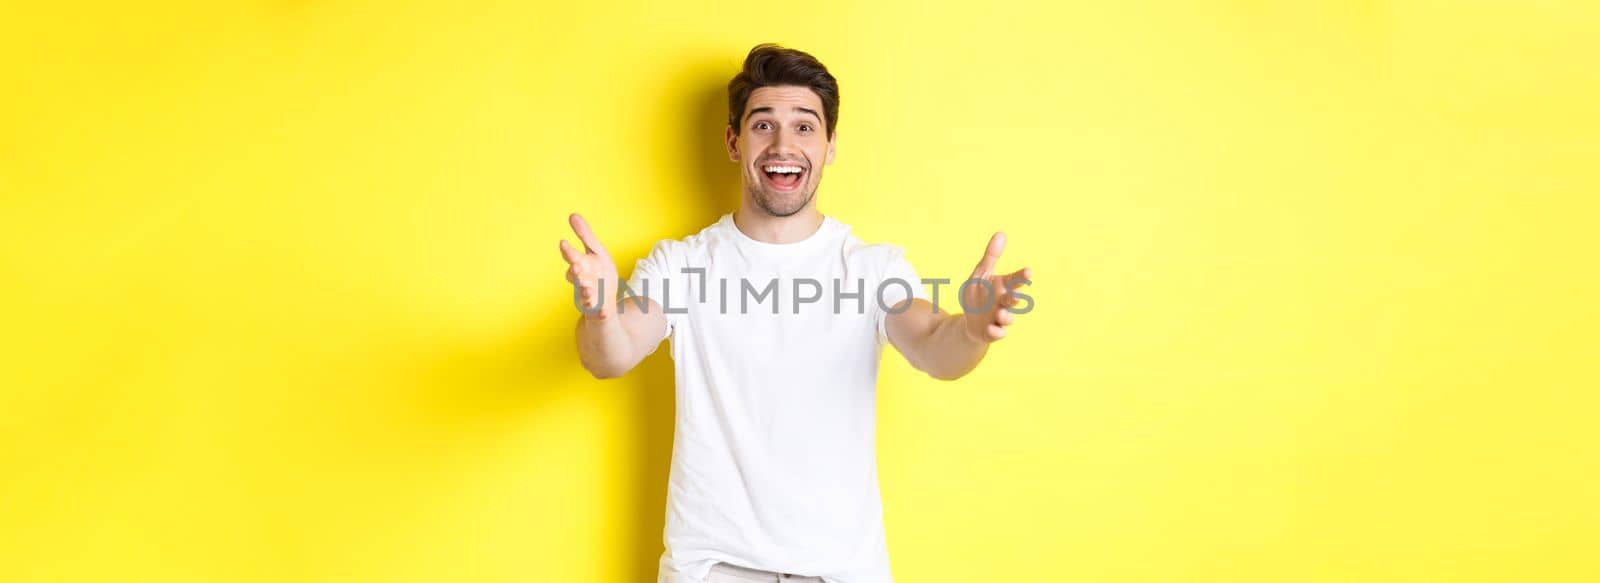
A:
(773, 205)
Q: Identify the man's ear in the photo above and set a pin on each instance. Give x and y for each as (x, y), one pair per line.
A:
(731, 140)
(833, 139)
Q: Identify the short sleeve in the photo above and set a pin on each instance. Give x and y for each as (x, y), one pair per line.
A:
(892, 291)
(651, 277)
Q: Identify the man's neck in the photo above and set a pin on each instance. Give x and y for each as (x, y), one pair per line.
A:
(766, 228)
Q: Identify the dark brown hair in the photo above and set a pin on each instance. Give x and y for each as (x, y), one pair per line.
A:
(770, 65)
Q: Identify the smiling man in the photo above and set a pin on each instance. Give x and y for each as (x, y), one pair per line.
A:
(778, 316)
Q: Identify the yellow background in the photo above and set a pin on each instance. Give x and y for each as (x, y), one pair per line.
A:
(1315, 284)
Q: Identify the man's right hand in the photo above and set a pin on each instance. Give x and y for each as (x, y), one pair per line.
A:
(592, 272)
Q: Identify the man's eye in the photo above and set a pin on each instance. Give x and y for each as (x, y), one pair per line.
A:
(805, 127)
(761, 125)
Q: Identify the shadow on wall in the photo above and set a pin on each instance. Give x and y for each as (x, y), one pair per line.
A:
(703, 108)
(492, 381)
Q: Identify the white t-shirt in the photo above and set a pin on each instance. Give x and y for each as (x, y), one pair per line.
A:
(774, 460)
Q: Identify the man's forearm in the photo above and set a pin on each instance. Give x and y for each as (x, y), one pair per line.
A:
(605, 347)
(947, 352)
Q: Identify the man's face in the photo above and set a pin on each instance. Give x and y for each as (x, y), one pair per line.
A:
(781, 147)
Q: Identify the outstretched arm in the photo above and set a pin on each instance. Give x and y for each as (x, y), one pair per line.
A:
(948, 346)
(611, 341)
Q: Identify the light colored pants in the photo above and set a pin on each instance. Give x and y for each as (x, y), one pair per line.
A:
(725, 573)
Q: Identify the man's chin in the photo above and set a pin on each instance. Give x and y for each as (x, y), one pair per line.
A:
(782, 204)
(785, 210)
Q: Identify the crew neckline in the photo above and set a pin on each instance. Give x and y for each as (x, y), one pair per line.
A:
(828, 226)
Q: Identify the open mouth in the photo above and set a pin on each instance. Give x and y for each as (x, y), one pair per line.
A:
(783, 176)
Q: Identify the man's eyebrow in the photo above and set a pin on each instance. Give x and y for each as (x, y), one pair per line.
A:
(768, 109)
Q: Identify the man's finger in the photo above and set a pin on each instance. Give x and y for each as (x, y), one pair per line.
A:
(991, 254)
(568, 253)
(1009, 301)
(1003, 318)
(1001, 292)
(1018, 278)
(585, 234)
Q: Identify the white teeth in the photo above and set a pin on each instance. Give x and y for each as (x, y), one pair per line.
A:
(782, 169)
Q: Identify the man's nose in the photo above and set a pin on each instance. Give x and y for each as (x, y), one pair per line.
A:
(782, 144)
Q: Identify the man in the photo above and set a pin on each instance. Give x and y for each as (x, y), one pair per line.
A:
(774, 471)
